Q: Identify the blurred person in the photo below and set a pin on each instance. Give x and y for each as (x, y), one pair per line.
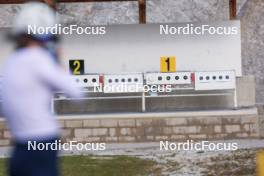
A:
(30, 75)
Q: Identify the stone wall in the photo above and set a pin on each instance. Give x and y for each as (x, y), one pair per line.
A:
(253, 43)
(177, 126)
(127, 12)
(156, 129)
(252, 49)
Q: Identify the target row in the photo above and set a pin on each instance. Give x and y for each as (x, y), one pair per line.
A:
(200, 80)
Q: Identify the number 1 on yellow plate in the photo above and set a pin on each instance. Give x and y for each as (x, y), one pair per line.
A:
(168, 64)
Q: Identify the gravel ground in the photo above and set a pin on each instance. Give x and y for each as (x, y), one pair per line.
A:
(186, 163)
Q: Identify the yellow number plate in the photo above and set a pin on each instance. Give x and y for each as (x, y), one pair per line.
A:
(260, 163)
(76, 67)
(168, 64)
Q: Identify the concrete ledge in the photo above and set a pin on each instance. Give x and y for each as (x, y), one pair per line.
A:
(245, 111)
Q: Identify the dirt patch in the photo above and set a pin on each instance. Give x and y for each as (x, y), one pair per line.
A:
(237, 163)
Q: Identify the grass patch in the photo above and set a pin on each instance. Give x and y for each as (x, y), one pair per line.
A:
(102, 166)
(3, 167)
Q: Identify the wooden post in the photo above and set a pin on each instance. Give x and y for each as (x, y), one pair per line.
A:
(232, 9)
(142, 11)
(51, 3)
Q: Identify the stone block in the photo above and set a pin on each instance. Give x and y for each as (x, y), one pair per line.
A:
(232, 128)
(178, 137)
(73, 123)
(91, 123)
(159, 138)
(176, 121)
(111, 139)
(112, 132)
(82, 133)
(126, 139)
(217, 129)
(197, 136)
(109, 123)
(143, 122)
(249, 119)
(186, 129)
(99, 131)
(127, 123)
